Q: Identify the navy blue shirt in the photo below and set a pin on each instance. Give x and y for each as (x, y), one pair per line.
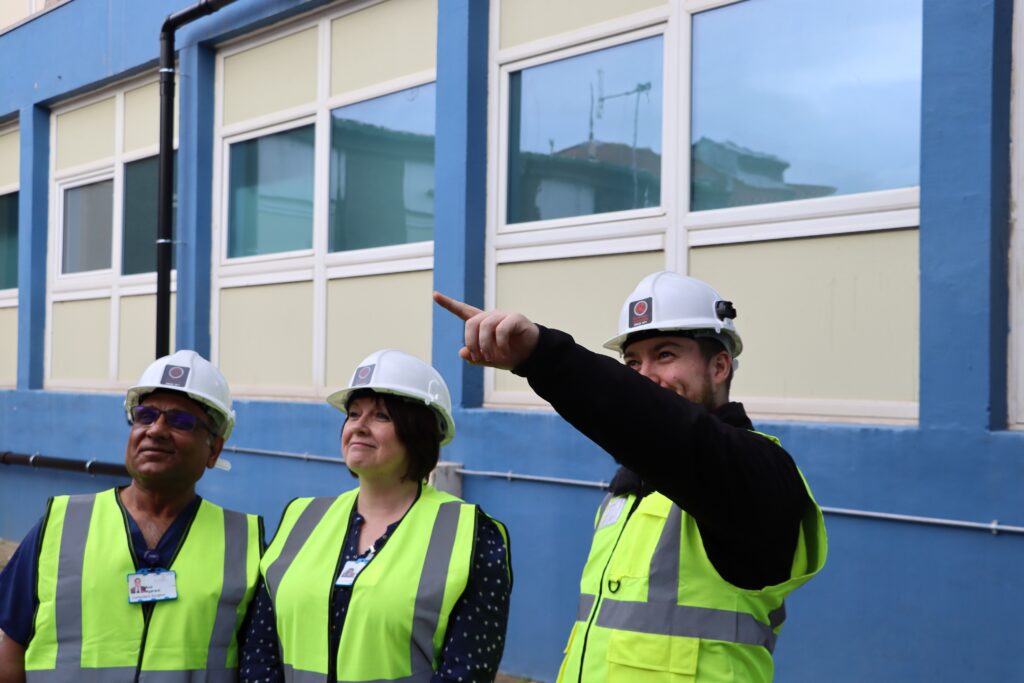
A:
(18, 580)
(475, 639)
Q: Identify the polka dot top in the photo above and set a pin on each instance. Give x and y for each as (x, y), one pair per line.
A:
(475, 639)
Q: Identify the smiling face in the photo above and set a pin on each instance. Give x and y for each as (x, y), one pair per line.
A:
(158, 456)
(677, 363)
(369, 442)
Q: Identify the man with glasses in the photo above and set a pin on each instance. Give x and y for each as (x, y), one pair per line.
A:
(142, 578)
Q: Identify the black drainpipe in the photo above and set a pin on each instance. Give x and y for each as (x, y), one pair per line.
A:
(68, 465)
(166, 174)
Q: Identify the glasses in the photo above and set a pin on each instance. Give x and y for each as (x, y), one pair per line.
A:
(178, 420)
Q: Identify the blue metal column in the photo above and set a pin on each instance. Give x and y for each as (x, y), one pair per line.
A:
(965, 166)
(33, 194)
(461, 183)
(195, 182)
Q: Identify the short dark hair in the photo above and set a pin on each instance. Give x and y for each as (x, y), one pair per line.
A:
(416, 427)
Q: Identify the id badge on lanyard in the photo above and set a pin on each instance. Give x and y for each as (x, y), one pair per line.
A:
(152, 585)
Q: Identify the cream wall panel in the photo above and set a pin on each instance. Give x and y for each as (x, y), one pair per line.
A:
(271, 77)
(142, 117)
(137, 335)
(822, 318)
(10, 157)
(581, 296)
(525, 20)
(12, 11)
(382, 42)
(80, 340)
(86, 134)
(266, 335)
(8, 346)
(365, 314)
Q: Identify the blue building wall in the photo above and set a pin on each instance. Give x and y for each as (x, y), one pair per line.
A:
(896, 602)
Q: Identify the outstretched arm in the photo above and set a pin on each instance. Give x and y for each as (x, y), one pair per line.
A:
(498, 339)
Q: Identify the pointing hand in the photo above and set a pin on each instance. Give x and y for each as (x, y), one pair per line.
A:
(498, 339)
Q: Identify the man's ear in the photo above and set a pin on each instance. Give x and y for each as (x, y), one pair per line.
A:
(216, 446)
(721, 367)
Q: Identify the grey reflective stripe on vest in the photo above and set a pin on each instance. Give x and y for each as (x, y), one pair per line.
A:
(663, 616)
(684, 620)
(304, 525)
(663, 578)
(232, 592)
(299, 676)
(584, 606)
(430, 593)
(600, 510)
(194, 676)
(119, 675)
(68, 598)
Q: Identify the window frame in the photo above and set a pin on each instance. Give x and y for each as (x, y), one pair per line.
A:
(316, 265)
(109, 283)
(675, 229)
(9, 295)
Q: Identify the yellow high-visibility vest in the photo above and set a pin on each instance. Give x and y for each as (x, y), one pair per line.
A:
(85, 628)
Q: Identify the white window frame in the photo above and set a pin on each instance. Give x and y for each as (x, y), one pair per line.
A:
(9, 296)
(315, 265)
(108, 283)
(674, 229)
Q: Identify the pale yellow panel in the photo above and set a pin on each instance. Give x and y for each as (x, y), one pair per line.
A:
(581, 296)
(266, 335)
(822, 318)
(142, 117)
(80, 340)
(137, 335)
(271, 77)
(8, 346)
(526, 20)
(394, 38)
(10, 157)
(12, 11)
(86, 134)
(365, 314)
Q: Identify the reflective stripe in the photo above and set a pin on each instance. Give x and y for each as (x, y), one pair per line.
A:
(118, 675)
(663, 579)
(192, 676)
(299, 676)
(430, 593)
(236, 542)
(600, 510)
(683, 620)
(297, 537)
(68, 599)
(584, 606)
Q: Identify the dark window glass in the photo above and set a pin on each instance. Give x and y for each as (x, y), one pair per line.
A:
(138, 241)
(9, 241)
(382, 171)
(270, 194)
(88, 227)
(585, 134)
(794, 99)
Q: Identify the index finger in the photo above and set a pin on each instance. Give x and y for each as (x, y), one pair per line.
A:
(459, 308)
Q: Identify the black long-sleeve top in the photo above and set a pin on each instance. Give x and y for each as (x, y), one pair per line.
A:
(743, 490)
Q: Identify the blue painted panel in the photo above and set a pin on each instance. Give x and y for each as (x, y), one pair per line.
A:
(33, 211)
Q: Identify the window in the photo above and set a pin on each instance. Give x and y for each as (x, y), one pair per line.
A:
(584, 134)
(141, 197)
(382, 171)
(270, 195)
(88, 217)
(9, 241)
(822, 100)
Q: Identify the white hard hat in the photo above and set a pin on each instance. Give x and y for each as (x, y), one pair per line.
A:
(191, 374)
(390, 371)
(669, 302)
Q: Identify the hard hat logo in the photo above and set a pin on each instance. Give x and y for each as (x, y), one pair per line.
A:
(363, 375)
(175, 376)
(640, 312)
